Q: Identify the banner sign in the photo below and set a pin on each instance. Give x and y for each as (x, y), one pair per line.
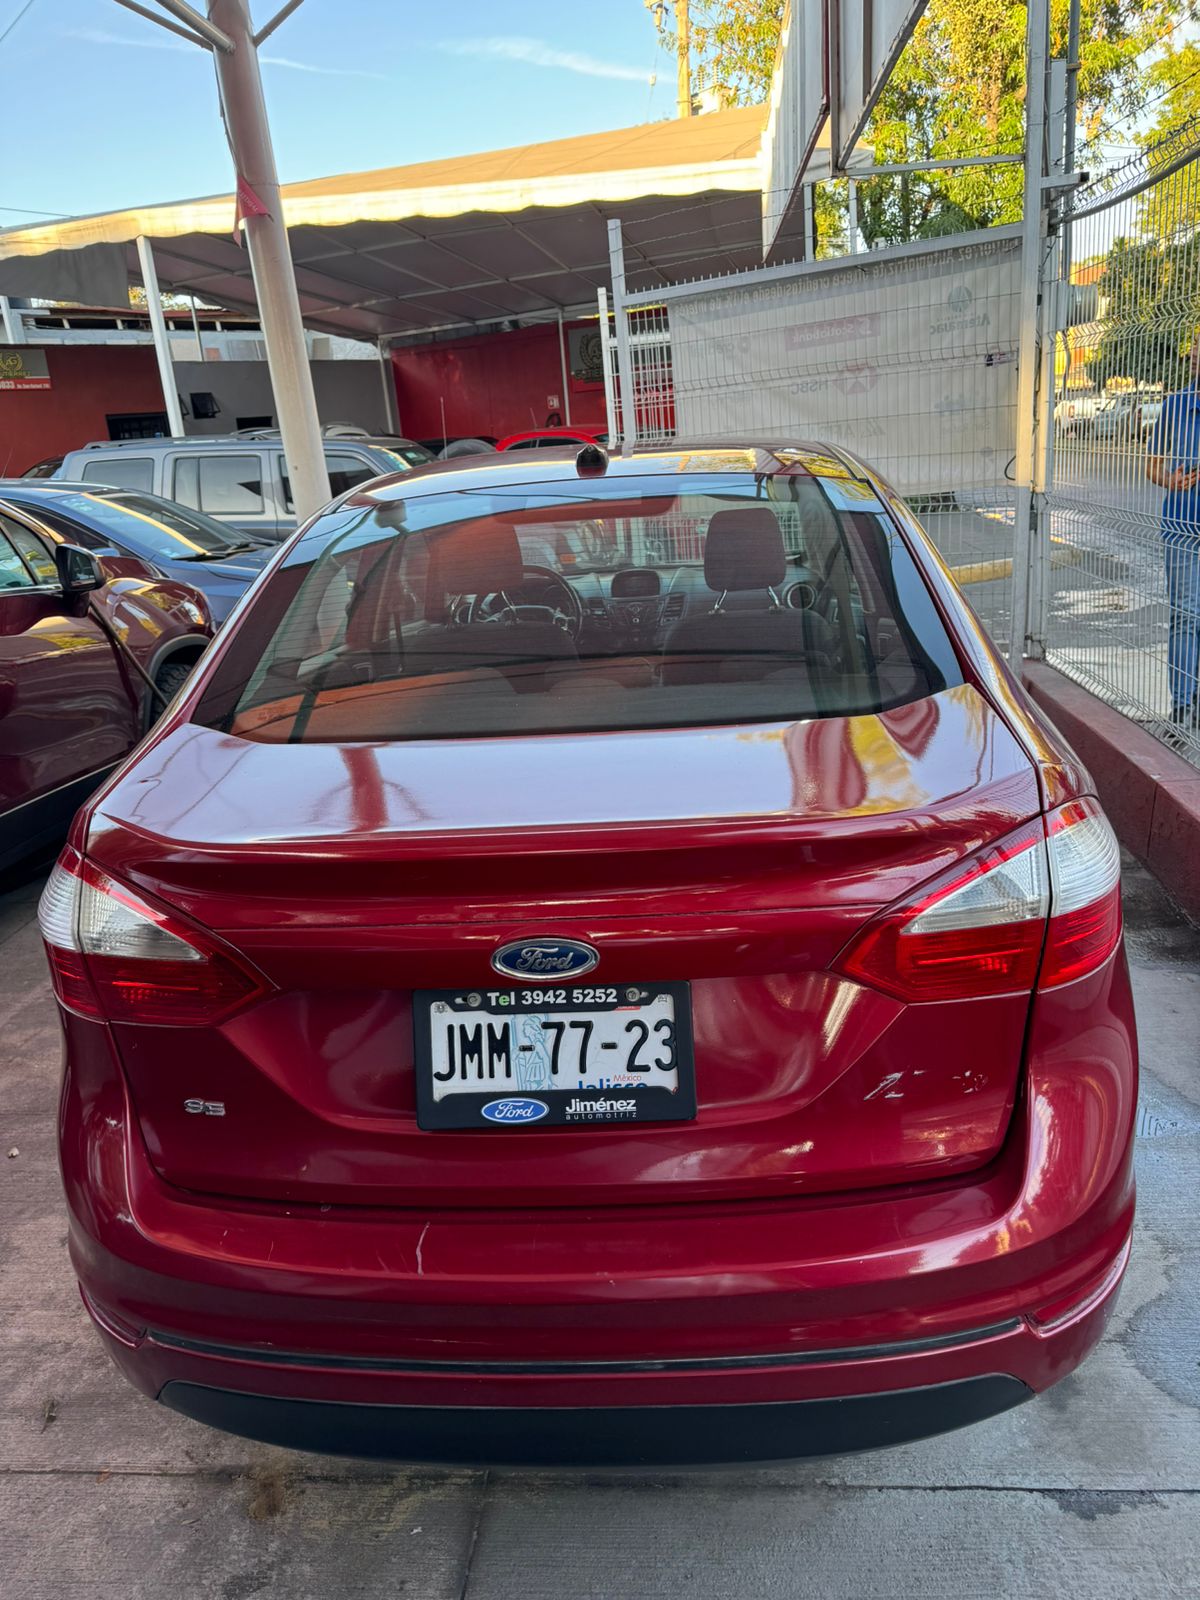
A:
(22, 368)
(910, 363)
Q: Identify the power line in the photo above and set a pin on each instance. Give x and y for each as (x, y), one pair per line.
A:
(28, 211)
(28, 6)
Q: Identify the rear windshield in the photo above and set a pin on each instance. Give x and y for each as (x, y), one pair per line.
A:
(158, 528)
(608, 604)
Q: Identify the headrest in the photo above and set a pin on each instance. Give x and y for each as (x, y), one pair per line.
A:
(744, 550)
(478, 558)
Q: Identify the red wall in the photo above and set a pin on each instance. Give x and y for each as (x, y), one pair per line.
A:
(491, 384)
(87, 383)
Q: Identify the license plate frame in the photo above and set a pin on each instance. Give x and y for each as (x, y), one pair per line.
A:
(571, 1105)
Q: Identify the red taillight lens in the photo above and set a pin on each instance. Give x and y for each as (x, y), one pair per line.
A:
(1047, 896)
(115, 957)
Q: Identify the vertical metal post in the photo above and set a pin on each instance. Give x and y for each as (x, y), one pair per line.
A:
(808, 213)
(387, 382)
(566, 370)
(162, 342)
(270, 258)
(196, 328)
(1038, 603)
(610, 401)
(1025, 530)
(852, 223)
(626, 388)
(13, 322)
(1072, 114)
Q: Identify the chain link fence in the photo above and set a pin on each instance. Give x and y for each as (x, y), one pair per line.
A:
(1123, 613)
(906, 357)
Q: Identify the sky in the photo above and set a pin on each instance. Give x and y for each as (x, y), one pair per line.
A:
(103, 110)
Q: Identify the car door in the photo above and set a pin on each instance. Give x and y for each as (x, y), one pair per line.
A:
(235, 486)
(67, 712)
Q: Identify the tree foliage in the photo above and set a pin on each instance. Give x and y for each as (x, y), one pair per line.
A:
(959, 90)
(1150, 309)
(733, 44)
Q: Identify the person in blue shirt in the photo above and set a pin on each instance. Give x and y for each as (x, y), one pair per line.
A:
(1173, 462)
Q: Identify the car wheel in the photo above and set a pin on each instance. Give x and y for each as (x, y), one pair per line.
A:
(169, 680)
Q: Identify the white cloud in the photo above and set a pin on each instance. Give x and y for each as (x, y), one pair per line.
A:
(537, 53)
(128, 42)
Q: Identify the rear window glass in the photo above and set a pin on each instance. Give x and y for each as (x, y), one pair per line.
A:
(123, 472)
(229, 486)
(612, 604)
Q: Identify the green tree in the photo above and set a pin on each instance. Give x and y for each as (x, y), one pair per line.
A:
(1150, 299)
(958, 90)
(733, 44)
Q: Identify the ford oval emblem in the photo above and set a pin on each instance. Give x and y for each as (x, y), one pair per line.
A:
(515, 1109)
(545, 958)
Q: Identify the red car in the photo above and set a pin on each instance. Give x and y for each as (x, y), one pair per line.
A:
(74, 631)
(667, 1009)
(549, 438)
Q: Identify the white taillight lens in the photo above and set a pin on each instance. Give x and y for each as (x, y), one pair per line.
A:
(58, 909)
(115, 957)
(114, 922)
(1014, 888)
(1085, 893)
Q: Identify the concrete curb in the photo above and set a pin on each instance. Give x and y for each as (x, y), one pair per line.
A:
(1152, 795)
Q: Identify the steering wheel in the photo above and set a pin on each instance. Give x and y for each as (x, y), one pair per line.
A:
(541, 596)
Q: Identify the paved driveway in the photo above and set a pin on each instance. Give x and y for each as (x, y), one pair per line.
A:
(1090, 1491)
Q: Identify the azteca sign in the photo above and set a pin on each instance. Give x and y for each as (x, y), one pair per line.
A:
(23, 369)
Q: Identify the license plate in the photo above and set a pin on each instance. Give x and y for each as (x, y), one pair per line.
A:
(579, 1055)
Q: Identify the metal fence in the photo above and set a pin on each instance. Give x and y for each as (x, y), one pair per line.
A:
(905, 356)
(1123, 593)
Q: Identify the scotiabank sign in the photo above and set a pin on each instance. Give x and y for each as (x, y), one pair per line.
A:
(23, 369)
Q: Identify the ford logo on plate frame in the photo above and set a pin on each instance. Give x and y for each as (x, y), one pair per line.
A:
(542, 960)
(514, 1109)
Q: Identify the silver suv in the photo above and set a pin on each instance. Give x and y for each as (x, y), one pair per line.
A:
(241, 480)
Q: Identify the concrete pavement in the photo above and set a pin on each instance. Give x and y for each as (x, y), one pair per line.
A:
(1092, 1491)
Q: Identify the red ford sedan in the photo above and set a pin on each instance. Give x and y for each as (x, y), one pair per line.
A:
(666, 1006)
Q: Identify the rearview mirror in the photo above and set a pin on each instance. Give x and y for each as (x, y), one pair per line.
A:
(78, 570)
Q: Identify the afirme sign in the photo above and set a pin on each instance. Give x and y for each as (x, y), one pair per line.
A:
(22, 368)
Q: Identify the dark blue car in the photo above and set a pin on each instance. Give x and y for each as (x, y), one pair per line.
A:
(176, 541)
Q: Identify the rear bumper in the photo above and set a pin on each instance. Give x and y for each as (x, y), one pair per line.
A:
(669, 1412)
(619, 1436)
(799, 1327)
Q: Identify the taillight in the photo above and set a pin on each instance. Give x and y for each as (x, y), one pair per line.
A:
(1041, 906)
(115, 957)
(1085, 893)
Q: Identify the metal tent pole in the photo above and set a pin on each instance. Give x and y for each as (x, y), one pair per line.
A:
(270, 258)
(1033, 243)
(387, 381)
(162, 343)
(566, 370)
(610, 400)
(625, 384)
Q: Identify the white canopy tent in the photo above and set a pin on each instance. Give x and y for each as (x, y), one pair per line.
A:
(444, 244)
